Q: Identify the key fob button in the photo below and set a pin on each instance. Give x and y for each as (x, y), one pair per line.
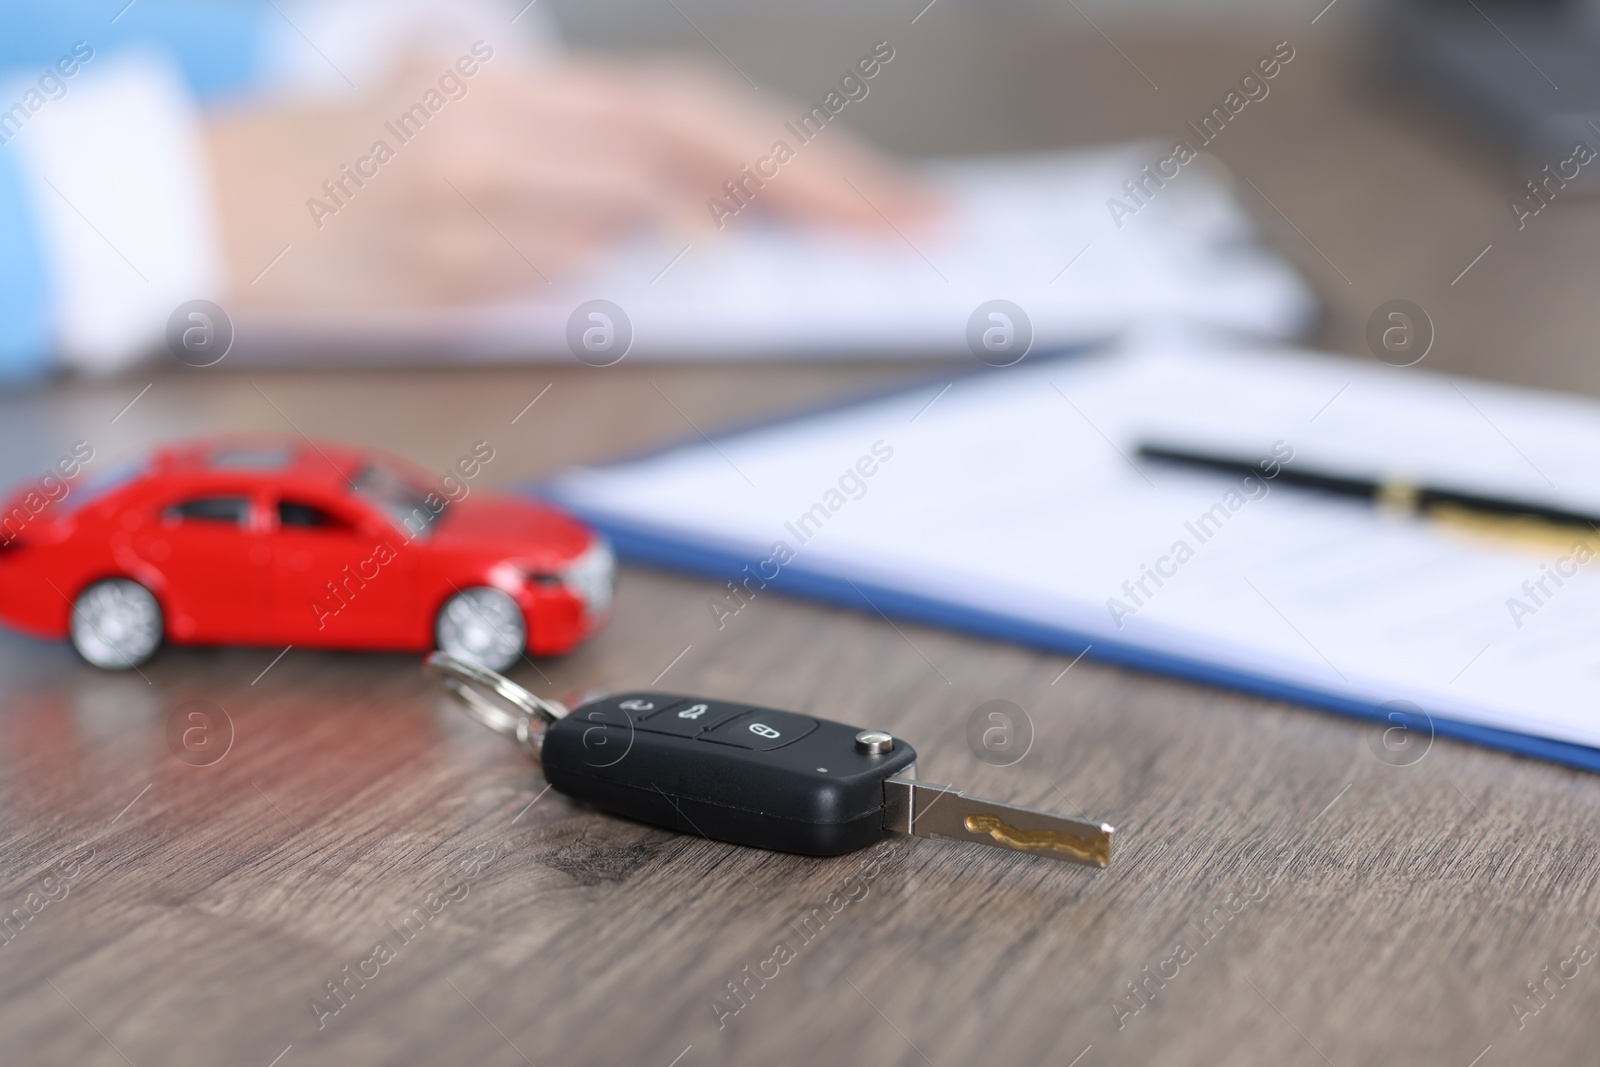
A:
(626, 710)
(689, 718)
(762, 730)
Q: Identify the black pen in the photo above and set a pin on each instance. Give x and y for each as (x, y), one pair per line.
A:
(1500, 517)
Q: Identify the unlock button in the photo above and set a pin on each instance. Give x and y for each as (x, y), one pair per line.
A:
(761, 730)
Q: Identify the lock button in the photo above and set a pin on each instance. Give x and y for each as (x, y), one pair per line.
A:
(761, 730)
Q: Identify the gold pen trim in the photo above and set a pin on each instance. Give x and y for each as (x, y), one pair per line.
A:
(1523, 531)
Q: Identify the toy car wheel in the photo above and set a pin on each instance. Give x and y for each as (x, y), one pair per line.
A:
(116, 624)
(482, 625)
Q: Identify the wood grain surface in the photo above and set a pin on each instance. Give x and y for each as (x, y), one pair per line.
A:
(1281, 895)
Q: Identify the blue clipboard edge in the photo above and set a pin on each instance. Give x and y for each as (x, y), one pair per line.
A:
(655, 546)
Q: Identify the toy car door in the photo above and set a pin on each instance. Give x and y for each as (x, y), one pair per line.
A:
(210, 549)
(341, 577)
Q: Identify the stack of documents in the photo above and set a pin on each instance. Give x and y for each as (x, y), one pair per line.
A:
(1012, 503)
(1037, 231)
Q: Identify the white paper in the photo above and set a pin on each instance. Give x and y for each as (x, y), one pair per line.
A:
(1036, 231)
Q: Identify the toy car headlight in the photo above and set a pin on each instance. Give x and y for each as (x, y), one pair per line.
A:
(592, 575)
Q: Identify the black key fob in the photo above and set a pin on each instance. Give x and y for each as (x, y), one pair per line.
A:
(727, 771)
(731, 771)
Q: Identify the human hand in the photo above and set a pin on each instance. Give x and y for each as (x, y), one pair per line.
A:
(522, 175)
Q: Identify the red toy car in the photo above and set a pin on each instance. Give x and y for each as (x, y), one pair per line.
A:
(294, 543)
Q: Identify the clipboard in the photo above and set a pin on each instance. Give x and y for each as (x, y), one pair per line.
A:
(716, 508)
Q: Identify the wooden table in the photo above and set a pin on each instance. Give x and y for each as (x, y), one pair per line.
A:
(1330, 907)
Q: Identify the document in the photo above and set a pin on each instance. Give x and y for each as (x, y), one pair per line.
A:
(1037, 231)
(1010, 502)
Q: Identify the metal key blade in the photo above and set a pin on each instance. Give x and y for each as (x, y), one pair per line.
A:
(929, 810)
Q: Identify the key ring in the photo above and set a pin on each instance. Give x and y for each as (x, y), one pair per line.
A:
(466, 681)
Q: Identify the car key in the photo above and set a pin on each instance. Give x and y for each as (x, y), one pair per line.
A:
(748, 775)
